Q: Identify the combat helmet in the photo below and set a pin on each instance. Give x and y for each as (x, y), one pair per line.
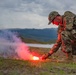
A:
(51, 16)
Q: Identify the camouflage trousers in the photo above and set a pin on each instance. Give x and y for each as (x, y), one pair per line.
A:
(69, 41)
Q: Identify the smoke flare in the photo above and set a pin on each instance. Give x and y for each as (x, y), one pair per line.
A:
(11, 46)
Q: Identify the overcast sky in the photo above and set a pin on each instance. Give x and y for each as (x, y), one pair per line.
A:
(31, 13)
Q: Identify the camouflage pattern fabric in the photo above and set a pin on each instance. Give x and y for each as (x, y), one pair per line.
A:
(69, 34)
(66, 38)
(69, 17)
(66, 41)
(69, 41)
(51, 16)
(58, 43)
(74, 22)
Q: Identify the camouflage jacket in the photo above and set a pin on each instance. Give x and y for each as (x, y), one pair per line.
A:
(58, 43)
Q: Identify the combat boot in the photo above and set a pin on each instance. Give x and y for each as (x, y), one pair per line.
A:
(45, 56)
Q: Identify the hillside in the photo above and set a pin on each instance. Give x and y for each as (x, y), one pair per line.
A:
(31, 35)
(37, 34)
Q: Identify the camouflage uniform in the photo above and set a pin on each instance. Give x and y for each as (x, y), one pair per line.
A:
(61, 28)
(69, 34)
(58, 43)
(66, 39)
(69, 41)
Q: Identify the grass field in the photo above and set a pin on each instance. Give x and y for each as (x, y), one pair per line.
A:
(43, 67)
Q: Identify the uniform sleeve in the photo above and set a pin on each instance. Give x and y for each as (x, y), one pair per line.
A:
(57, 44)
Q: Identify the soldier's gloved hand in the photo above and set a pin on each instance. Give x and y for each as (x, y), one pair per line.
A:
(45, 56)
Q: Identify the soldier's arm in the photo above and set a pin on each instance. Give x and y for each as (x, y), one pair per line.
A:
(56, 45)
(58, 41)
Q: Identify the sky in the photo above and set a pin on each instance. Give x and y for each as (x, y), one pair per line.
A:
(31, 13)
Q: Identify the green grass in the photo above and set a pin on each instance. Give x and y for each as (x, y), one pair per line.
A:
(45, 67)
(18, 67)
